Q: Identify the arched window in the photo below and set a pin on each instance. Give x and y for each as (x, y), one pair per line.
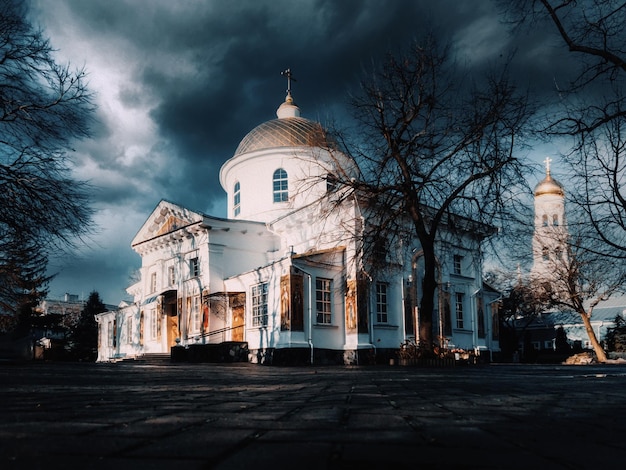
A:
(544, 220)
(545, 253)
(558, 253)
(331, 183)
(237, 199)
(555, 220)
(281, 189)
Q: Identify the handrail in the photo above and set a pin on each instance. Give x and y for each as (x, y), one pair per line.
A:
(222, 330)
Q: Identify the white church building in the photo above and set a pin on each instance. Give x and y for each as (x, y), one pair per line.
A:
(283, 277)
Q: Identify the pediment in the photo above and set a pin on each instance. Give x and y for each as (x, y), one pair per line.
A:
(170, 225)
(167, 217)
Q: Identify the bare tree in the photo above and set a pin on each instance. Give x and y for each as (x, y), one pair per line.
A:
(43, 108)
(579, 277)
(437, 149)
(592, 114)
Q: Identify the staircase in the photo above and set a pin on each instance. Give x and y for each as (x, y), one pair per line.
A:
(152, 359)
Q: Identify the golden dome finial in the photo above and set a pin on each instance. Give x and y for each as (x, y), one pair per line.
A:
(288, 108)
(547, 161)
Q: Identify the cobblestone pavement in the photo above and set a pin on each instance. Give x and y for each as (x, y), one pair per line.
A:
(229, 416)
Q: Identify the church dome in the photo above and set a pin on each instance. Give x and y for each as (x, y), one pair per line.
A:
(282, 165)
(284, 132)
(289, 130)
(549, 186)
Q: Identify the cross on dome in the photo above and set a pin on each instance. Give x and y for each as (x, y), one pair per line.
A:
(288, 108)
(547, 161)
(287, 73)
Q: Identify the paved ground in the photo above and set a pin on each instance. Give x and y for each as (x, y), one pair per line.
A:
(143, 415)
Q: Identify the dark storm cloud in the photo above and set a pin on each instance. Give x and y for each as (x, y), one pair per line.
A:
(179, 84)
(234, 83)
(213, 68)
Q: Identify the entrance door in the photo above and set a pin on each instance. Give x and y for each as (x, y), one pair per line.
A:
(172, 327)
(238, 323)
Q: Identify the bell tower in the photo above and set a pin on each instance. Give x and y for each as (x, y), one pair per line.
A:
(550, 232)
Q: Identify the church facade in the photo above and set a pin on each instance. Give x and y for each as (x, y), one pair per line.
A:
(285, 273)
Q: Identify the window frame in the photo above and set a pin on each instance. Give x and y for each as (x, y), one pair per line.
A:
(236, 199)
(154, 324)
(171, 275)
(129, 330)
(332, 183)
(194, 267)
(459, 300)
(196, 317)
(153, 282)
(259, 302)
(323, 301)
(382, 305)
(110, 334)
(280, 186)
(457, 264)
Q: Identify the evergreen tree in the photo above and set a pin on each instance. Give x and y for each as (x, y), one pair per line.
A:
(560, 342)
(616, 337)
(84, 337)
(23, 280)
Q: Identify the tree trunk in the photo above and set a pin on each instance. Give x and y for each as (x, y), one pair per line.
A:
(427, 304)
(597, 348)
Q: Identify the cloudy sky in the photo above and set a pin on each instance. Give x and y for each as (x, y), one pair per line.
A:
(179, 84)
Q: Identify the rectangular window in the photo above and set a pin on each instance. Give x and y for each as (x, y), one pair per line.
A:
(196, 317)
(154, 321)
(381, 302)
(153, 283)
(459, 310)
(259, 305)
(458, 261)
(171, 276)
(194, 267)
(110, 334)
(323, 289)
(129, 330)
